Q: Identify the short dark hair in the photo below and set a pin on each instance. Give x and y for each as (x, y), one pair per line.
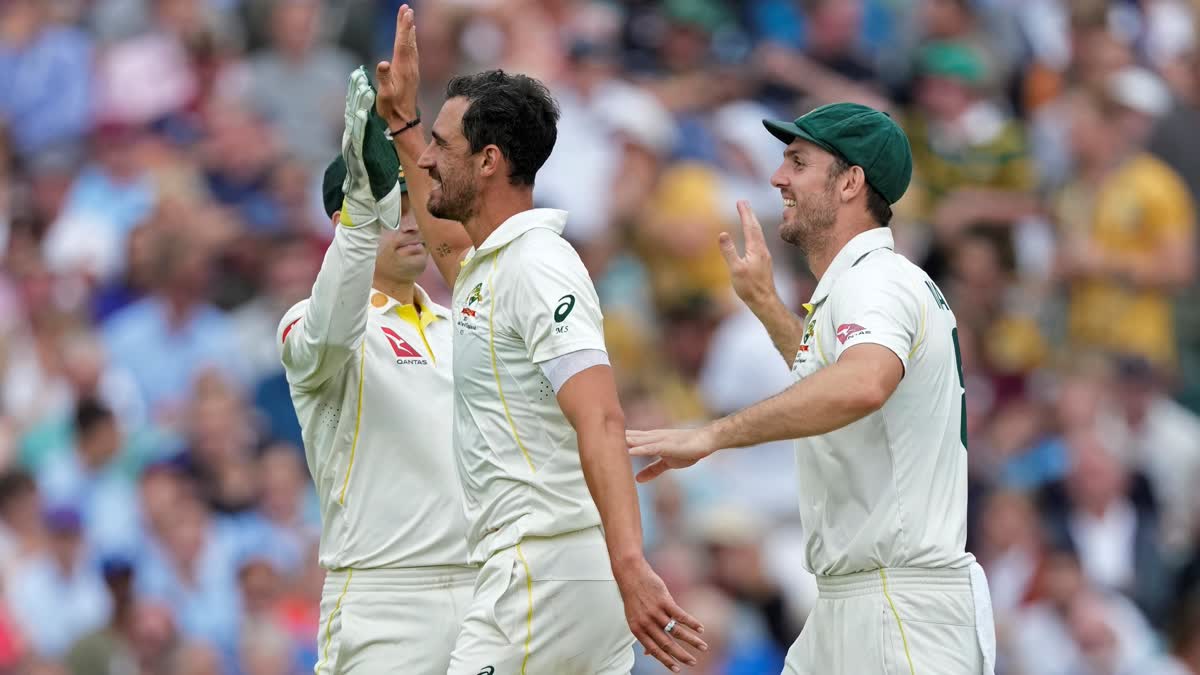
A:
(516, 113)
(877, 205)
(89, 413)
(14, 484)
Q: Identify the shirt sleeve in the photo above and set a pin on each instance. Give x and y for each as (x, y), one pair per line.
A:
(868, 307)
(317, 341)
(554, 304)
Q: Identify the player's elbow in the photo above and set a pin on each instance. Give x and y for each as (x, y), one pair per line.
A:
(870, 395)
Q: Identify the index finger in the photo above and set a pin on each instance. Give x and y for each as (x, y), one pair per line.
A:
(405, 36)
(752, 232)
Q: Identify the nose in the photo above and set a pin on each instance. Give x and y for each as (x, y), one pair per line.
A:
(779, 178)
(425, 161)
(408, 226)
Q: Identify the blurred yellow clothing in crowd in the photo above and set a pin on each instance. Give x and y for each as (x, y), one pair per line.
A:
(1131, 214)
(992, 155)
(676, 235)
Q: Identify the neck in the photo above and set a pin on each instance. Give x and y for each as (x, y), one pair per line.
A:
(400, 291)
(821, 255)
(496, 209)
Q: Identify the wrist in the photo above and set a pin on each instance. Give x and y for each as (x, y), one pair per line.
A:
(714, 435)
(626, 561)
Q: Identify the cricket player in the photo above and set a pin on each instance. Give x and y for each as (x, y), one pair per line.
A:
(551, 504)
(368, 359)
(877, 412)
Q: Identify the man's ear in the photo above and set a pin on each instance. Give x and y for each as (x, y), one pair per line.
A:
(336, 218)
(491, 161)
(853, 182)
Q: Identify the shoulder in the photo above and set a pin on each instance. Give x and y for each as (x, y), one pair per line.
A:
(290, 318)
(1152, 176)
(543, 252)
(883, 276)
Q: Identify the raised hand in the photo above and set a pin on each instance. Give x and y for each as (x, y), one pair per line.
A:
(372, 191)
(399, 80)
(753, 280)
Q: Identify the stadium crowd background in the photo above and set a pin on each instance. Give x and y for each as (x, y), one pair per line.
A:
(159, 210)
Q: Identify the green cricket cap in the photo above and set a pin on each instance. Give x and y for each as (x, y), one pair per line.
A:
(952, 60)
(335, 177)
(862, 136)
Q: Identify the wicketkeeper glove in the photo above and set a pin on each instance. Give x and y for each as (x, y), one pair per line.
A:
(373, 182)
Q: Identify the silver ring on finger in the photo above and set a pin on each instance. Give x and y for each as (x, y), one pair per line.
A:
(670, 626)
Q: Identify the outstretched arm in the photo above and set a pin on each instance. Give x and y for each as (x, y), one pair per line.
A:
(858, 384)
(318, 337)
(399, 81)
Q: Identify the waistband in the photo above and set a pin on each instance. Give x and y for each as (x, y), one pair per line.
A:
(399, 578)
(893, 579)
(589, 535)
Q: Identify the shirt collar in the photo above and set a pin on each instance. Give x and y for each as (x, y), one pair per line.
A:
(519, 224)
(381, 303)
(854, 250)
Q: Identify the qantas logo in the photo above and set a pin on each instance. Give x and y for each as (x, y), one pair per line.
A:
(849, 330)
(405, 353)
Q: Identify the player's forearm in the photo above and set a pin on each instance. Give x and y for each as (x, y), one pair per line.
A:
(445, 239)
(785, 328)
(336, 314)
(609, 476)
(337, 311)
(825, 401)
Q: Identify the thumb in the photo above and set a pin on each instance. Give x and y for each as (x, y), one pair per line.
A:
(728, 249)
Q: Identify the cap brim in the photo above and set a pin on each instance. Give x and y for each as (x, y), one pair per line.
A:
(788, 132)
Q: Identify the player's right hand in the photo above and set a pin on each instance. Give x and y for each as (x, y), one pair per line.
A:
(372, 189)
(400, 79)
(649, 607)
(753, 279)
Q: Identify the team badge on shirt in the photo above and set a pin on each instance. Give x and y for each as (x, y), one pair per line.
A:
(466, 315)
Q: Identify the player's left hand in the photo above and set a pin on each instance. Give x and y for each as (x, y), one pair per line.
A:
(650, 609)
(673, 448)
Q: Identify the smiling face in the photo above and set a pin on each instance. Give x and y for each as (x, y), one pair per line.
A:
(450, 164)
(810, 199)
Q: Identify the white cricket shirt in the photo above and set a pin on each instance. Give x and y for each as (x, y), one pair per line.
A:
(372, 384)
(523, 297)
(889, 490)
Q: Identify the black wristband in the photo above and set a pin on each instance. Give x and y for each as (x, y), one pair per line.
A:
(392, 134)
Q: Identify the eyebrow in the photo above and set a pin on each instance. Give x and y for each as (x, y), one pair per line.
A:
(795, 154)
(438, 139)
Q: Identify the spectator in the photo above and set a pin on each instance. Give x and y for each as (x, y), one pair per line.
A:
(44, 77)
(91, 480)
(167, 339)
(59, 597)
(108, 649)
(300, 83)
(1128, 234)
(1109, 517)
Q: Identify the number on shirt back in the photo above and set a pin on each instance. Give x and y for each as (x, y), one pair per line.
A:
(941, 302)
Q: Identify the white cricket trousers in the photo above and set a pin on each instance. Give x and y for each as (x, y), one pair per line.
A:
(898, 622)
(547, 606)
(381, 621)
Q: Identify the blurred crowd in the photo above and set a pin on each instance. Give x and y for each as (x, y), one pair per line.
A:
(159, 211)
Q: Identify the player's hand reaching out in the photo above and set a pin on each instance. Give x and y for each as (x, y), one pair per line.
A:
(671, 448)
(650, 611)
(753, 280)
(399, 80)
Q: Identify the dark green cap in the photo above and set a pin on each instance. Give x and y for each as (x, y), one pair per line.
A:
(335, 177)
(862, 136)
(951, 60)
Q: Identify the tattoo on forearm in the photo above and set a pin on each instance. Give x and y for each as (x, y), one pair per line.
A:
(442, 249)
